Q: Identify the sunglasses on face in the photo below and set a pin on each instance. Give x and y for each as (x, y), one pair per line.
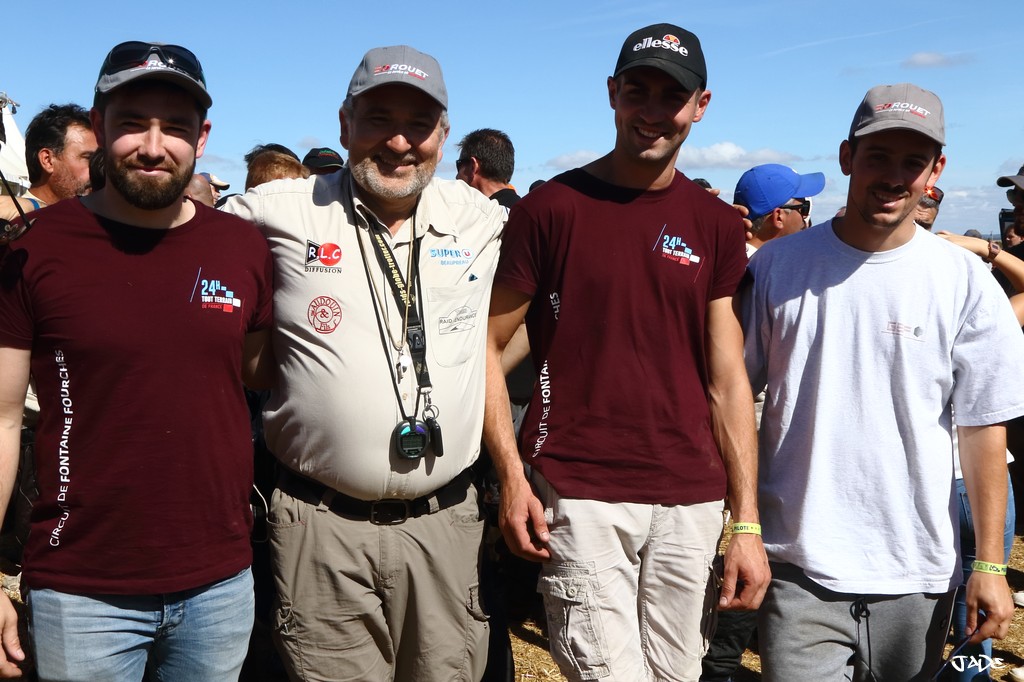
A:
(1015, 196)
(803, 206)
(459, 163)
(135, 53)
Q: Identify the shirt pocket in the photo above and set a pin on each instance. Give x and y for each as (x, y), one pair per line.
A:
(457, 317)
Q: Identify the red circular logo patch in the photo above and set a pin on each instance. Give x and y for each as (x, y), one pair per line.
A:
(324, 314)
(329, 254)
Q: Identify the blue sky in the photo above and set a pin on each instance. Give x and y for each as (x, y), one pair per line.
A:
(785, 76)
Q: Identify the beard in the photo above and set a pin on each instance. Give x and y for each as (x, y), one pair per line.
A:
(147, 193)
(369, 177)
(64, 184)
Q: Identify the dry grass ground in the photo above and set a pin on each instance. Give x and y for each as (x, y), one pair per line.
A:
(533, 663)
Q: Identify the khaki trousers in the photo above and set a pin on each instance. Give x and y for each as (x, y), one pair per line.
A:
(357, 601)
(629, 590)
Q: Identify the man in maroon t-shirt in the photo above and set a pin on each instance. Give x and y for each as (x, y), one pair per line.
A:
(642, 418)
(137, 312)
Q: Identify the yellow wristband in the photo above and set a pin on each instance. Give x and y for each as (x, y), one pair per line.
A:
(754, 529)
(986, 567)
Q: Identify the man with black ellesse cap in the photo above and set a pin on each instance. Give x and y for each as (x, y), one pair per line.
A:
(869, 333)
(385, 272)
(642, 420)
(138, 313)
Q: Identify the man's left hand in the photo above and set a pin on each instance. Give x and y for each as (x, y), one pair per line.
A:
(746, 574)
(991, 594)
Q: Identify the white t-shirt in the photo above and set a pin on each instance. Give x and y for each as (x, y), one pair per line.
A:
(864, 354)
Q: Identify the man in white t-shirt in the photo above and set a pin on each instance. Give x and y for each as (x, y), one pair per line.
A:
(876, 332)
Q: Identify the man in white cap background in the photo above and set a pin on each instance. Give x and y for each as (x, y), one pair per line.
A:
(216, 185)
(122, 303)
(874, 334)
(384, 276)
(642, 419)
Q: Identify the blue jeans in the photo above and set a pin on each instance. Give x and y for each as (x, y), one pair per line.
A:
(967, 556)
(200, 635)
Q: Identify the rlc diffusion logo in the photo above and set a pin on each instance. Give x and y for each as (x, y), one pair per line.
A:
(324, 314)
(322, 257)
(675, 249)
(461, 319)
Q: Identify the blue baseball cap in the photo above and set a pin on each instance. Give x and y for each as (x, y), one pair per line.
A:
(764, 188)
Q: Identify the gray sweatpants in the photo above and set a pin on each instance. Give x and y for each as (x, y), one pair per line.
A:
(811, 634)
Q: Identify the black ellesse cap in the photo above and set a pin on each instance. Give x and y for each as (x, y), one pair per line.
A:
(669, 48)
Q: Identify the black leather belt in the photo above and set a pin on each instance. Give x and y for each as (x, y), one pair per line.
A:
(378, 512)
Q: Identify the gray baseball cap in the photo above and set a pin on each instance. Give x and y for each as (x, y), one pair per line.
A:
(903, 106)
(399, 64)
(135, 60)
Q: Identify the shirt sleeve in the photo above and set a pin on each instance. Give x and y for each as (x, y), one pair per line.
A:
(731, 261)
(756, 331)
(521, 247)
(988, 358)
(263, 314)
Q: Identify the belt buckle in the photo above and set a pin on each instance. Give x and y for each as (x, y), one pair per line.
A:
(389, 512)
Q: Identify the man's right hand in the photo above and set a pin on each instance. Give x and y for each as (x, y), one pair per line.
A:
(11, 652)
(521, 518)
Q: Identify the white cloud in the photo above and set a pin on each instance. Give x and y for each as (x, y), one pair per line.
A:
(935, 60)
(221, 162)
(731, 155)
(838, 39)
(571, 160)
(309, 142)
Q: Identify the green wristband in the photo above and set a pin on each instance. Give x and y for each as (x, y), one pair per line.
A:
(755, 529)
(986, 567)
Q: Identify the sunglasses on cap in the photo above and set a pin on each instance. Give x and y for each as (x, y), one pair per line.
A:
(934, 193)
(136, 53)
(803, 206)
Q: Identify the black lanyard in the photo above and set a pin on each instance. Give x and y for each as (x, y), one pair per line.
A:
(411, 436)
(406, 296)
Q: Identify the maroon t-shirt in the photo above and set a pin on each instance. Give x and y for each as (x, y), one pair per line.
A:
(143, 446)
(620, 280)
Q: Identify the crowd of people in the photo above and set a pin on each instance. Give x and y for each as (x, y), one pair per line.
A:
(579, 364)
